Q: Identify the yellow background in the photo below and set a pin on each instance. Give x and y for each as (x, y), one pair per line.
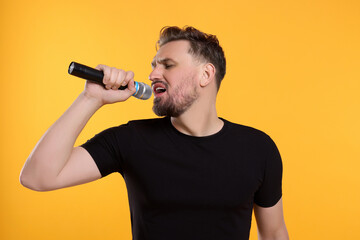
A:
(293, 72)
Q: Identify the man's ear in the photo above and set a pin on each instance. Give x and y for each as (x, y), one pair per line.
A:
(208, 74)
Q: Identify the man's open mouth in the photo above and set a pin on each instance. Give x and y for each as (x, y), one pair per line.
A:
(158, 88)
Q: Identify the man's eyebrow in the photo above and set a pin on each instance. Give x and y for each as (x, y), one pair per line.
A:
(161, 61)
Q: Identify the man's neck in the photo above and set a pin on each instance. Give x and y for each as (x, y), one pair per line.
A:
(199, 123)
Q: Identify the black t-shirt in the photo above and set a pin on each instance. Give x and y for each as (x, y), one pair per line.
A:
(186, 187)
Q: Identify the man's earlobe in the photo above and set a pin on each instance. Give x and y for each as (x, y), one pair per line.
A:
(208, 74)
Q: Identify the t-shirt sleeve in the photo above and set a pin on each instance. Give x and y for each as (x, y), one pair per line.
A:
(104, 149)
(270, 191)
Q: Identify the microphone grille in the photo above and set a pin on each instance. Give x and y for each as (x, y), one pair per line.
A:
(144, 91)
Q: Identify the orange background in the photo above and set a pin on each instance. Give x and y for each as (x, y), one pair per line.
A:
(293, 72)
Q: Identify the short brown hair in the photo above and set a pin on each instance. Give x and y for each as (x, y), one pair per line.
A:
(205, 46)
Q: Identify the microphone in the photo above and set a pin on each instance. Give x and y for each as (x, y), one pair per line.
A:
(143, 91)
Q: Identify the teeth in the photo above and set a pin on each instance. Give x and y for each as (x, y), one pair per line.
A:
(160, 89)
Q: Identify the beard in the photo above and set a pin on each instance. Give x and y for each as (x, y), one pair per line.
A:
(176, 105)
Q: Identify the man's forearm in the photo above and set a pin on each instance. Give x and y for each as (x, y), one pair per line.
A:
(280, 234)
(55, 146)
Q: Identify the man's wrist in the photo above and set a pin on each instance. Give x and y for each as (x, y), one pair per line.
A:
(92, 101)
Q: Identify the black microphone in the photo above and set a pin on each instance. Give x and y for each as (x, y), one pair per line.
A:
(143, 91)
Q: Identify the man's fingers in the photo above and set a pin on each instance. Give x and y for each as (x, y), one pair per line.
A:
(99, 67)
(123, 79)
(114, 78)
(105, 70)
(131, 87)
(107, 75)
(127, 77)
(118, 79)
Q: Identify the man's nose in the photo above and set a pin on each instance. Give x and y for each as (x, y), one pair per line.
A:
(155, 74)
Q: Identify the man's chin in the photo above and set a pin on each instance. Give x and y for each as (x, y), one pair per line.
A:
(157, 108)
(162, 110)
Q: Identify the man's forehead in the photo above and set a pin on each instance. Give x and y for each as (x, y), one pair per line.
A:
(172, 50)
(160, 59)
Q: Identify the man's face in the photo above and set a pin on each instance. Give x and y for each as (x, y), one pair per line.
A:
(174, 79)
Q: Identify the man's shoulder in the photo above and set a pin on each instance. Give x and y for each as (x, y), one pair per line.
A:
(243, 127)
(246, 131)
(253, 138)
(136, 127)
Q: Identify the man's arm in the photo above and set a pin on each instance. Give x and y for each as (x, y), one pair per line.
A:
(55, 163)
(270, 222)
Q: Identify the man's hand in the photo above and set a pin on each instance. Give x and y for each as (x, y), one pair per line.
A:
(113, 79)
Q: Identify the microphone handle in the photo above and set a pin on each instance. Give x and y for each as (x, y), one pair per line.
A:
(88, 73)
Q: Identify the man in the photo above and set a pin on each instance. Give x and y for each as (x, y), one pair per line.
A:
(189, 175)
